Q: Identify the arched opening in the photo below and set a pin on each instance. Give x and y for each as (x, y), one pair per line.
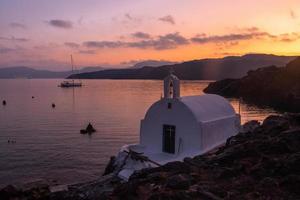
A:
(171, 89)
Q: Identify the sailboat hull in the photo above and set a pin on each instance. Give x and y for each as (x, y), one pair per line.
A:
(70, 84)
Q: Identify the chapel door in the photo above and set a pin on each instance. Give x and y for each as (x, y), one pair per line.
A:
(169, 138)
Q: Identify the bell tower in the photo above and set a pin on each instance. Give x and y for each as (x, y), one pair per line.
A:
(171, 86)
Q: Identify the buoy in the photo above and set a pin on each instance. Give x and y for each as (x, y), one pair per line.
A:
(53, 105)
(32, 97)
(4, 102)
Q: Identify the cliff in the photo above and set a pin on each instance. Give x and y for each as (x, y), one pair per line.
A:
(270, 86)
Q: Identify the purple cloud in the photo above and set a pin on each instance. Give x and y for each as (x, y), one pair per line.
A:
(4, 50)
(292, 14)
(17, 25)
(103, 44)
(168, 41)
(168, 19)
(60, 23)
(87, 51)
(174, 40)
(141, 35)
(252, 33)
(72, 45)
(14, 39)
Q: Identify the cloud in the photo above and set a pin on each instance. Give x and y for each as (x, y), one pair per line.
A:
(128, 21)
(168, 41)
(103, 44)
(251, 34)
(72, 45)
(168, 19)
(14, 39)
(288, 37)
(128, 16)
(60, 23)
(17, 25)
(87, 51)
(248, 34)
(251, 29)
(292, 14)
(175, 40)
(4, 50)
(141, 35)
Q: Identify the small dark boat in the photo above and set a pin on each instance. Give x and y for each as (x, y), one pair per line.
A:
(89, 129)
(4, 102)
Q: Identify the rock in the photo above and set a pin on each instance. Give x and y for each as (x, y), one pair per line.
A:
(275, 124)
(9, 192)
(110, 167)
(176, 166)
(250, 126)
(277, 87)
(228, 173)
(291, 183)
(260, 164)
(179, 182)
(226, 87)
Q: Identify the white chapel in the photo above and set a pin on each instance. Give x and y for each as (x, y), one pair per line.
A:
(176, 127)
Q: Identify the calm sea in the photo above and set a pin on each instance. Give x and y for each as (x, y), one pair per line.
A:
(48, 144)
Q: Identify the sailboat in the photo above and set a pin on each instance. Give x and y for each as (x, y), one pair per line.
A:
(72, 83)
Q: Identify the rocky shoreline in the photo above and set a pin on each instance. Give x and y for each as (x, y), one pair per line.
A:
(277, 87)
(261, 162)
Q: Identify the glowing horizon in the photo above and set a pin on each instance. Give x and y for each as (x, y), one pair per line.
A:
(103, 32)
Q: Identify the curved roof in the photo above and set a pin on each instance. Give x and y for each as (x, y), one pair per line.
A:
(208, 107)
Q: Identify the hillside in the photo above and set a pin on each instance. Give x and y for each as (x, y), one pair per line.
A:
(270, 86)
(27, 72)
(205, 69)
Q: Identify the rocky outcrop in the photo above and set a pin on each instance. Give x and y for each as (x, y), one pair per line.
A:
(262, 163)
(270, 86)
(94, 190)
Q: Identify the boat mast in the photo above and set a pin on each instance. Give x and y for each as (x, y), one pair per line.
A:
(72, 69)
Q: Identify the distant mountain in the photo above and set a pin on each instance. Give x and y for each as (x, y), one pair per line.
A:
(90, 69)
(204, 69)
(152, 63)
(27, 72)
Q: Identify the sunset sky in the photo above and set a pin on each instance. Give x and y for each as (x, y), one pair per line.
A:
(43, 33)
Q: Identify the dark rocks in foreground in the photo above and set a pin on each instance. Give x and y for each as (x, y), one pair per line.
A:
(261, 162)
(270, 86)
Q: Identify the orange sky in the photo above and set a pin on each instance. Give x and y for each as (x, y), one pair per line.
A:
(43, 34)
